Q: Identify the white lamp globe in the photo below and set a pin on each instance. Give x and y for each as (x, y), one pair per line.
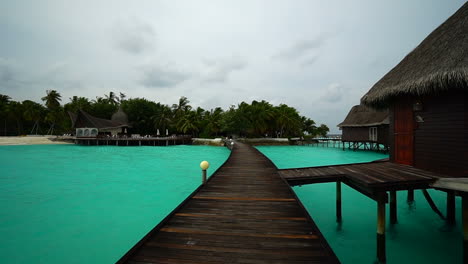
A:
(204, 165)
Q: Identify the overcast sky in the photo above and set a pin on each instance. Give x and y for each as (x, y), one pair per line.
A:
(317, 56)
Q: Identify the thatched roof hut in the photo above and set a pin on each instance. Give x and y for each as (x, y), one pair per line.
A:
(83, 119)
(362, 116)
(120, 116)
(439, 63)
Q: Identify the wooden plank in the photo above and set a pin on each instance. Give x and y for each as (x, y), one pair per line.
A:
(373, 176)
(245, 213)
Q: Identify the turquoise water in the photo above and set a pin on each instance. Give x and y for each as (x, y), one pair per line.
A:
(286, 157)
(420, 236)
(80, 204)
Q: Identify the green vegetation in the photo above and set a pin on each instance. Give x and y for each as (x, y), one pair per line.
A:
(257, 119)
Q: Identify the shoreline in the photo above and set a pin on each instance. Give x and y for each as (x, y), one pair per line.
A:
(30, 140)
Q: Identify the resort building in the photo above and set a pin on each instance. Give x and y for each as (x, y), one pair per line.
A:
(427, 98)
(87, 125)
(364, 126)
(427, 95)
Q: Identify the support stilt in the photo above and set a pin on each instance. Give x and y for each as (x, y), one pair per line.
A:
(381, 254)
(410, 196)
(465, 227)
(393, 207)
(451, 207)
(338, 202)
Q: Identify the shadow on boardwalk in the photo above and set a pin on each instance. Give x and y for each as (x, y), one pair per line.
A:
(245, 213)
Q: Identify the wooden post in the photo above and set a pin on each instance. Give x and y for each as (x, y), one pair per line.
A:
(393, 207)
(465, 226)
(450, 207)
(338, 202)
(381, 255)
(410, 196)
(203, 176)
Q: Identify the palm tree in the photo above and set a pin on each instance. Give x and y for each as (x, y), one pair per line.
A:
(262, 114)
(213, 121)
(52, 99)
(4, 101)
(188, 123)
(287, 120)
(15, 112)
(52, 102)
(33, 112)
(182, 106)
(77, 103)
(122, 97)
(162, 118)
(112, 98)
(308, 125)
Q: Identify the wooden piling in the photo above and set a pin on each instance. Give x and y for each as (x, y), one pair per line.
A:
(465, 226)
(338, 202)
(450, 207)
(393, 207)
(410, 196)
(381, 254)
(203, 176)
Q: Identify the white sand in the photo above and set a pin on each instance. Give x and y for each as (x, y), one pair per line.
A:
(29, 140)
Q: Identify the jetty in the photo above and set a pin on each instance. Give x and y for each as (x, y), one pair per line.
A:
(244, 213)
(380, 181)
(131, 141)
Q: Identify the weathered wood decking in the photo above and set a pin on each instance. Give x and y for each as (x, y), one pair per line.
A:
(245, 213)
(370, 178)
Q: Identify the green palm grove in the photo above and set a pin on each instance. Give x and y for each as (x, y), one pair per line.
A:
(257, 119)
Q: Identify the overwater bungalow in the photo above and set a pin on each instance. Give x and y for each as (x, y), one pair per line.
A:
(427, 97)
(87, 125)
(365, 127)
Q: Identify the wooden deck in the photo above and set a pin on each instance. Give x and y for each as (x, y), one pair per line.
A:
(132, 141)
(370, 178)
(245, 213)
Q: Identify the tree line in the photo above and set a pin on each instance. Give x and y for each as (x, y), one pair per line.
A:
(257, 119)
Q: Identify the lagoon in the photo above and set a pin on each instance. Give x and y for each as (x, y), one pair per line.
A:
(91, 204)
(79, 204)
(420, 236)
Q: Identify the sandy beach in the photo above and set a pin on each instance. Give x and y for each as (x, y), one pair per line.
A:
(29, 140)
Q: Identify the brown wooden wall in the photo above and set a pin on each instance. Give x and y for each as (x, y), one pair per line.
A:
(362, 134)
(441, 141)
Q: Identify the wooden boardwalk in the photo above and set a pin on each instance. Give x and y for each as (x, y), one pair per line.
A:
(372, 177)
(245, 213)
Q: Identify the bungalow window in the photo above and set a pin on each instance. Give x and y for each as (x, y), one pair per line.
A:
(373, 133)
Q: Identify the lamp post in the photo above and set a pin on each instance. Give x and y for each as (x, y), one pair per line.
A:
(204, 165)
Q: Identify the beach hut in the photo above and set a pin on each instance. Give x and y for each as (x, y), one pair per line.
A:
(364, 126)
(87, 125)
(427, 98)
(427, 95)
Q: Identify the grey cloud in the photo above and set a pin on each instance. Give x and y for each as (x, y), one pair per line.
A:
(134, 37)
(309, 61)
(301, 48)
(10, 74)
(333, 93)
(162, 77)
(219, 71)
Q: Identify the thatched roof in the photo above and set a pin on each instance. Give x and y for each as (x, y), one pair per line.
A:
(438, 64)
(84, 119)
(72, 117)
(120, 116)
(362, 116)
